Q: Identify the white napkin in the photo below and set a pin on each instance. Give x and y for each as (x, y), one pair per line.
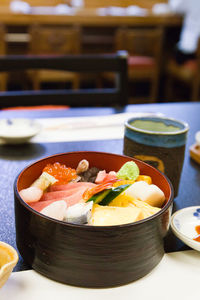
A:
(64, 9)
(161, 9)
(77, 3)
(101, 11)
(84, 128)
(111, 11)
(116, 11)
(19, 6)
(134, 10)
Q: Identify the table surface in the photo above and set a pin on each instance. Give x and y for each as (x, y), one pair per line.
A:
(14, 159)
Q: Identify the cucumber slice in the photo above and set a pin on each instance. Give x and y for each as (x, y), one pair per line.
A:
(99, 196)
(113, 194)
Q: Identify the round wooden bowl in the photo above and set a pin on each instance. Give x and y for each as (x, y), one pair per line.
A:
(90, 256)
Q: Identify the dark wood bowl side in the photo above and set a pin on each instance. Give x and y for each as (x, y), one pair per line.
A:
(90, 256)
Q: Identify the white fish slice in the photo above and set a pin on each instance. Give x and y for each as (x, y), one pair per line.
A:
(55, 210)
(149, 193)
(78, 213)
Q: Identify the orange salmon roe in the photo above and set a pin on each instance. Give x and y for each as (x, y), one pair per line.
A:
(60, 172)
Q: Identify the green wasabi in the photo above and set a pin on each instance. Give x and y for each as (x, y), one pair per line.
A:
(129, 171)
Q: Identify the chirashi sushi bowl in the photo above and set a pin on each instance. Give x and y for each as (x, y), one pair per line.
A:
(92, 219)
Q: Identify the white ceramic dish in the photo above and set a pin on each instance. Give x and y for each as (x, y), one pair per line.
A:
(183, 224)
(197, 137)
(17, 131)
(8, 260)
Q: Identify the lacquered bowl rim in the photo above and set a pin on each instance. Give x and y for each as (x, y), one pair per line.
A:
(92, 227)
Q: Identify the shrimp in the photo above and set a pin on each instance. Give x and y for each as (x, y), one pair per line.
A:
(82, 166)
(31, 194)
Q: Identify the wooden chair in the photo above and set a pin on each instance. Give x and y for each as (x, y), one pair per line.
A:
(54, 40)
(3, 76)
(187, 73)
(116, 63)
(144, 47)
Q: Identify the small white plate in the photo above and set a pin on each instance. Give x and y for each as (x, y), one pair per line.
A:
(17, 131)
(197, 137)
(183, 225)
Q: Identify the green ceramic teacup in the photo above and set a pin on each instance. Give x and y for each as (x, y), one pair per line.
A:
(159, 141)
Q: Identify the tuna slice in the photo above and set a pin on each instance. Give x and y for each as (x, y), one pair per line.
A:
(59, 195)
(63, 193)
(71, 197)
(70, 186)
